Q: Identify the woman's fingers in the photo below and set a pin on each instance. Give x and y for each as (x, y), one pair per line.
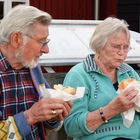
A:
(131, 94)
(125, 100)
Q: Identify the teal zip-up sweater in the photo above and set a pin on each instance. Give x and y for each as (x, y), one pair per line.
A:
(99, 92)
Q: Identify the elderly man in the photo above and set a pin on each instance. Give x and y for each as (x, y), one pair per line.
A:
(23, 114)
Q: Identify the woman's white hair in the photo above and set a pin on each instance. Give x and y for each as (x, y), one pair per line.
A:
(110, 27)
(21, 19)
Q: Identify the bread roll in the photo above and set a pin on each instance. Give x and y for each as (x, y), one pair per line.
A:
(69, 90)
(58, 87)
(124, 83)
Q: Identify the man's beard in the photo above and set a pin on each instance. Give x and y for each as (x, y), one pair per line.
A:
(31, 64)
(28, 64)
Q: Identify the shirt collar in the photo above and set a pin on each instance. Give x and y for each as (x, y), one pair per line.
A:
(90, 65)
(4, 64)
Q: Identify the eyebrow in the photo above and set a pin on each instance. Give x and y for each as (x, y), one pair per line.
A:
(119, 44)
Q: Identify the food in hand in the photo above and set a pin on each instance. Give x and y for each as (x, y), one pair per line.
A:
(124, 83)
(69, 90)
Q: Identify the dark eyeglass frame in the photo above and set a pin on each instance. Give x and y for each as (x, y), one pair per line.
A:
(43, 43)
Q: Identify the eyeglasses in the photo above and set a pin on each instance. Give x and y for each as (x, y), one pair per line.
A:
(125, 48)
(43, 43)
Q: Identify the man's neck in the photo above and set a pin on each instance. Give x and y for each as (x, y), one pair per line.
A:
(10, 56)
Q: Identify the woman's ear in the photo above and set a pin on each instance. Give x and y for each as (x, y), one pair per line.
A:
(16, 39)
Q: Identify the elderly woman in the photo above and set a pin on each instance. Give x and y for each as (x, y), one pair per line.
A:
(97, 116)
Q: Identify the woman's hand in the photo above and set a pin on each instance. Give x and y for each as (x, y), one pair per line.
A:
(124, 101)
(48, 109)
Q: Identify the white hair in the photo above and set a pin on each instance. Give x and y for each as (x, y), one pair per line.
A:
(111, 26)
(21, 19)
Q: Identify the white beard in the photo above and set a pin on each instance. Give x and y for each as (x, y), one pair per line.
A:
(28, 64)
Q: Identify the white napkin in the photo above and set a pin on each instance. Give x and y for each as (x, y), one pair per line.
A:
(52, 93)
(128, 116)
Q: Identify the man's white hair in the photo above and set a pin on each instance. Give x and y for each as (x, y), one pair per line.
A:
(21, 19)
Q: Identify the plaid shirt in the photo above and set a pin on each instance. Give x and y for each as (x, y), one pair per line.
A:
(17, 93)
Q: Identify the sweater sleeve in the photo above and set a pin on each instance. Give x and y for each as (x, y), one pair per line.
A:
(75, 123)
(22, 125)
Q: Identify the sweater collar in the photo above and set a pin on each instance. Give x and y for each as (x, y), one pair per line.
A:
(90, 65)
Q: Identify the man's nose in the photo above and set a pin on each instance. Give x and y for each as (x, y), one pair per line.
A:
(45, 50)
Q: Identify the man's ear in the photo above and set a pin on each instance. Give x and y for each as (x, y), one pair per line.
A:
(16, 39)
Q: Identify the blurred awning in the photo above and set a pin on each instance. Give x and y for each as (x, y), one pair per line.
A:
(70, 43)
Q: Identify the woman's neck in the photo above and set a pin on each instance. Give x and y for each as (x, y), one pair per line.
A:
(106, 70)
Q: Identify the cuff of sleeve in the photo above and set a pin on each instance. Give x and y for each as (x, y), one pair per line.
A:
(52, 125)
(82, 123)
(21, 124)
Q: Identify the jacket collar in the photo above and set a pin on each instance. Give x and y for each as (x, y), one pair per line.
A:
(90, 65)
(4, 64)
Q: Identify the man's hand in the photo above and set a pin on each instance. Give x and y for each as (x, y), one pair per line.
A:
(48, 110)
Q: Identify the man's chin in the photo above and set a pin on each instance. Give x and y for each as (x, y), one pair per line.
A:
(31, 64)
